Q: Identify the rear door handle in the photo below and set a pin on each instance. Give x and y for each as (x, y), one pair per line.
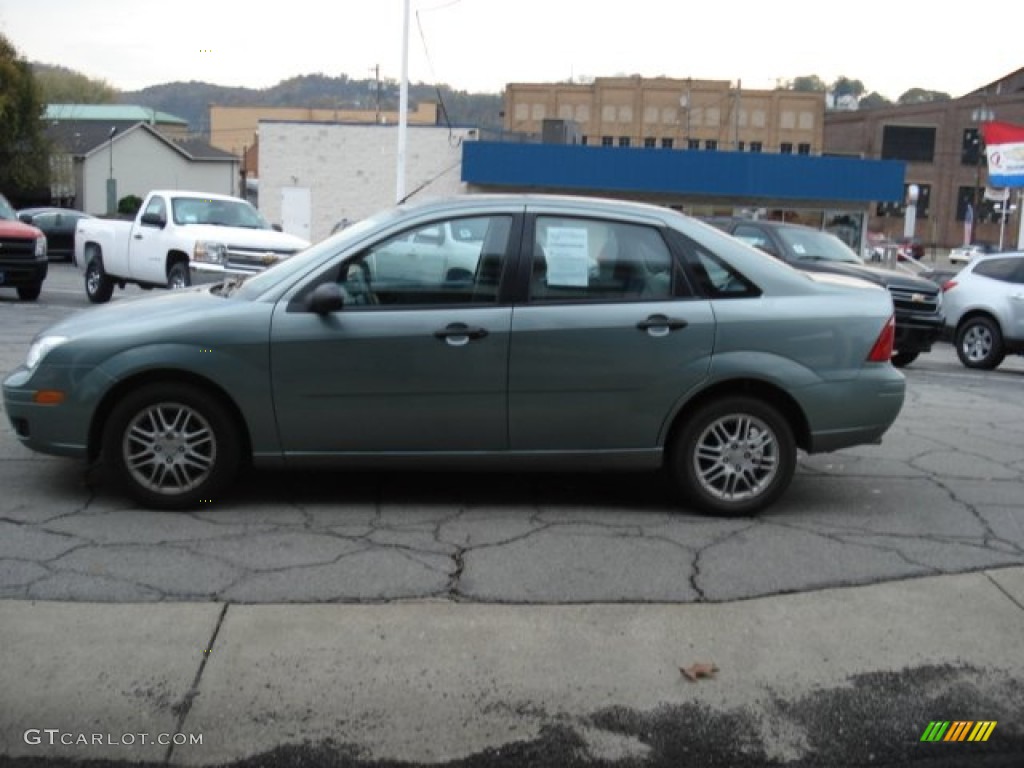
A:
(459, 334)
(659, 325)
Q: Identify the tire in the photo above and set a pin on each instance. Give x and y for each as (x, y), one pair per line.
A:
(979, 343)
(30, 292)
(734, 457)
(178, 275)
(194, 459)
(903, 359)
(98, 285)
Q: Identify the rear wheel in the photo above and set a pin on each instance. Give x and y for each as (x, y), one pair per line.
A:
(734, 457)
(98, 285)
(171, 446)
(979, 343)
(29, 292)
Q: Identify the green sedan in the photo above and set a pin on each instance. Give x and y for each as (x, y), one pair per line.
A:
(550, 333)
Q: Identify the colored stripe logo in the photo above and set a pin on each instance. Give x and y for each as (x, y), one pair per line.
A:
(958, 730)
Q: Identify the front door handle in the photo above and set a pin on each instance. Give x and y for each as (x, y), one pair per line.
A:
(659, 325)
(459, 334)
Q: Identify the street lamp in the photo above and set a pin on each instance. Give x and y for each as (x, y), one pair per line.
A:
(111, 183)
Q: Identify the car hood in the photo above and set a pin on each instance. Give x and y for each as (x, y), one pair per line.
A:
(876, 275)
(244, 237)
(10, 228)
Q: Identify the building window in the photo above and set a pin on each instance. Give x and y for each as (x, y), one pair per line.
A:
(650, 141)
(693, 143)
(606, 141)
(803, 149)
(583, 140)
(756, 146)
(985, 211)
(711, 145)
(970, 147)
(666, 143)
(623, 141)
(786, 148)
(910, 143)
(898, 209)
(806, 121)
(739, 146)
(538, 112)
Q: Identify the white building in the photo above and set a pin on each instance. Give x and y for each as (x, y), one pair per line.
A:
(314, 175)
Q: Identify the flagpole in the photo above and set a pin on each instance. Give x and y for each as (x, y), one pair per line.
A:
(403, 107)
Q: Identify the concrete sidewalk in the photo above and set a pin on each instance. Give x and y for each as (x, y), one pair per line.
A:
(837, 677)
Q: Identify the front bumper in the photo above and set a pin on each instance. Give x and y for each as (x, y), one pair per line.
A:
(15, 273)
(917, 335)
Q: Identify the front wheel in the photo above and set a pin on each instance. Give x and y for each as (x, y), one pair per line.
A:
(30, 292)
(98, 285)
(178, 276)
(979, 343)
(903, 359)
(734, 457)
(171, 446)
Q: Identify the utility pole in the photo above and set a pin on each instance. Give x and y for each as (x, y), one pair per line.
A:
(403, 106)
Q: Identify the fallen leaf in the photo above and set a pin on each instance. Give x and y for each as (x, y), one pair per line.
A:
(698, 670)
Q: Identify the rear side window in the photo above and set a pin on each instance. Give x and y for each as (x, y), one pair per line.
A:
(1005, 270)
(714, 278)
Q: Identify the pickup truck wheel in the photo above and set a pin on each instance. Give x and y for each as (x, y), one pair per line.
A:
(98, 285)
(29, 292)
(177, 275)
(171, 446)
(735, 456)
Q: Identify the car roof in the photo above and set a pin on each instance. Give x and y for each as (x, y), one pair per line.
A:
(770, 223)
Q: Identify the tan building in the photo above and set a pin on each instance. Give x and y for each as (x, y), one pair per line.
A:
(671, 113)
(233, 129)
(939, 142)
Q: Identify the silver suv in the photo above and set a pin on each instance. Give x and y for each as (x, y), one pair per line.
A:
(984, 306)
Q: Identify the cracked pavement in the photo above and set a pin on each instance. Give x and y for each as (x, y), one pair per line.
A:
(941, 494)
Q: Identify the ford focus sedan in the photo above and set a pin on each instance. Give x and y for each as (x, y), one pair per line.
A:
(582, 334)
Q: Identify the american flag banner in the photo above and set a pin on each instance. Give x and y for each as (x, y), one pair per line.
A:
(1004, 149)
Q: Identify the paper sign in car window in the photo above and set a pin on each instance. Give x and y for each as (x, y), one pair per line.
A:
(567, 256)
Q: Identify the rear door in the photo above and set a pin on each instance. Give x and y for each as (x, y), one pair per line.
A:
(608, 340)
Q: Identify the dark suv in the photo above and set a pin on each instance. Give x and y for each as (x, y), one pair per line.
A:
(23, 261)
(917, 301)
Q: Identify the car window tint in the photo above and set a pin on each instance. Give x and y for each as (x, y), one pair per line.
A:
(455, 261)
(591, 260)
(997, 269)
(715, 278)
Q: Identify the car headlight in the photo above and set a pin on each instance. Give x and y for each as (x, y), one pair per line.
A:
(210, 252)
(41, 348)
(41, 247)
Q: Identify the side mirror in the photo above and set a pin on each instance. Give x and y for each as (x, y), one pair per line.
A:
(277, 227)
(154, 220)
(326, 298)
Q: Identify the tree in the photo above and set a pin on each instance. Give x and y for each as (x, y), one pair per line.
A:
(806, 83)
(60, 85)
(23, 152)
(844, 86)
(922, 96)
(873, 100)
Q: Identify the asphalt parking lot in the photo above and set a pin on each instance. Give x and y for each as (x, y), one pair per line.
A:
(535, 567)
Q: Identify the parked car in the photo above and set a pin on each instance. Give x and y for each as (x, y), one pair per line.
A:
(58, 224)
(965, 253)
(917, 300)
(590, 334)
(23, 263)
(985, 309)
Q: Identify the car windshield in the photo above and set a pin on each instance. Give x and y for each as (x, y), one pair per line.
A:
(226, 213)
(254, 286)
(6, 211)
(812, 245)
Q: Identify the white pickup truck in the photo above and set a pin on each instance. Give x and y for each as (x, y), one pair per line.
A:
(178, 235)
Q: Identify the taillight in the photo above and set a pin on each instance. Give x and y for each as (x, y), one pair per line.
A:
(882, 351)
(948, 285)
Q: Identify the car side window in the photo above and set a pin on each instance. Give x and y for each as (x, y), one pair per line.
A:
(593, 260)
(998, 269)
(756, 237)
(156, 207)
(455, 261)
(716, 279)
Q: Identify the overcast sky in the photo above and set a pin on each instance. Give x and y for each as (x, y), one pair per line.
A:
(480, 45)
